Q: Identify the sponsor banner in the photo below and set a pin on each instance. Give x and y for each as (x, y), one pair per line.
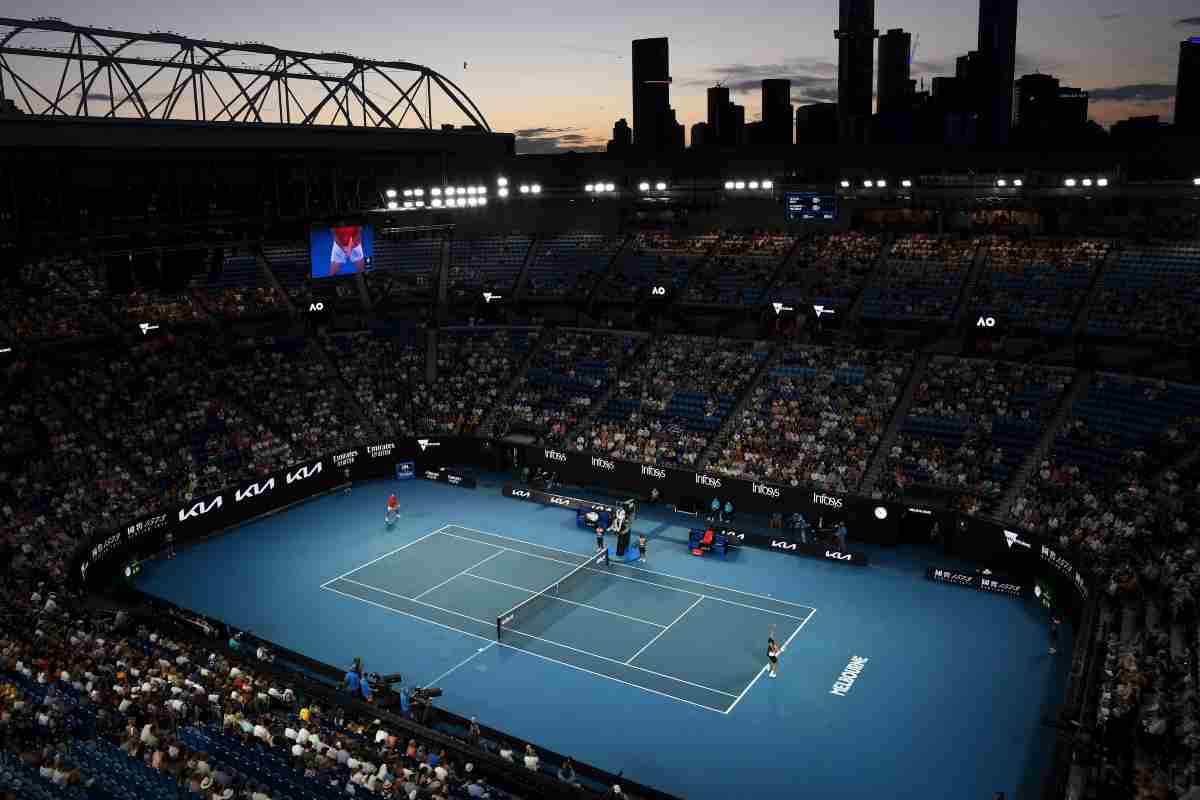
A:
(793, 547)
(345, 459)
(866, 520)
(984, 583)
(1025, 556)
(406, 470)
(380, 450)
(444, 475)
(107, 552)
(549, 499)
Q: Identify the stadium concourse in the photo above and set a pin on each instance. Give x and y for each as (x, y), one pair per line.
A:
(106, 422)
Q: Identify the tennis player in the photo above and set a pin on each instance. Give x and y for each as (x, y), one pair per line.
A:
(393, 509)
(773, 652)
(642, 547)
(599, 538)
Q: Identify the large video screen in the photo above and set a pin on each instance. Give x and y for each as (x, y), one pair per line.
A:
(811, 206)
(341, 250)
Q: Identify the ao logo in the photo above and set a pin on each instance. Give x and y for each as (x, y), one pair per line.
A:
(316, 306)
(659, 290)
(986, 322)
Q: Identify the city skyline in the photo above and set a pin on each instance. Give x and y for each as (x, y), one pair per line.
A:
(559, 78)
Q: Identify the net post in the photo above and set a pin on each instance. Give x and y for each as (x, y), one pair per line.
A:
(499, 625)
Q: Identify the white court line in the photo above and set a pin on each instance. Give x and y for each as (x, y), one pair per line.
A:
(611, 574)
(385, 555)
(522, 650)
(639, 569)
(460, 573)
(764, 669)
(538, 638)
(443, 676)
(664, 630)
(532, 592)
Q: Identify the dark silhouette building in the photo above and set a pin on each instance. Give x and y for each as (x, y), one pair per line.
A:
(719, 123)
(1037, 102)
(856, 60)
(895, 88)
(653, 123)
(699, 134)
(998, 54)
(1072, 107)
(817, 123)
(776, 111)
(1187, 87)
(622, 137)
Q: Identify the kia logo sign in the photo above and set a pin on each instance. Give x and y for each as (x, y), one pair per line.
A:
(253, 490)
(520, 493)
(783, 545)
(199, 509)
(838, 556)
(304, 472)
(560, 501)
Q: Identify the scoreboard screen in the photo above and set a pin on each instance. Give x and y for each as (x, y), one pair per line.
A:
(810, 206)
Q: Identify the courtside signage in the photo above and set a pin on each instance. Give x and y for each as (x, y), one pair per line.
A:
(983, 582)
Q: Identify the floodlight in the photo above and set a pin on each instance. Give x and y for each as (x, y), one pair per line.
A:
(390, 193)
(524, 188)
(1102, 181)
(419, 192)
(728, 184)
(1195, 181)
(408, 204)
(437, 202)
(536, 188)
(480, 190)
(391, 205)
(503, 191)
(420, 204)
(768, 185)
(471, 190)
(1069, 182)
(591, 187)
(906, 183)
(881, 183)
(483, 200)
(1018, 182)
(645, 187)
(1087, 181)
(1001, 182)
(472, 201)
(502, 181)
(845, 184)
(408, 192)
(436, 192)
(740, 185)
(868, 184)
(660, 186)
(610, 187)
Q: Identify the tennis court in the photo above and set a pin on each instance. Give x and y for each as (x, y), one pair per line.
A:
(694, 642)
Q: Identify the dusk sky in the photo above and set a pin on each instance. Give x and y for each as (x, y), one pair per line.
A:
(558, 75)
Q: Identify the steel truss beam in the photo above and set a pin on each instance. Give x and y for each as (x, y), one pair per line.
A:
(99, 74)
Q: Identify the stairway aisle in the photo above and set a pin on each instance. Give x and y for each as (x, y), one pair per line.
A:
(730, 421)
(879, 458)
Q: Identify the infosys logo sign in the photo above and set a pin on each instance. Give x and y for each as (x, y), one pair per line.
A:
(253, 490)
(826, 500)
(303, 473)
(708, 480)
(657, 473)
(554, 455)
(200, 509)
(766, 491)
(603, 463)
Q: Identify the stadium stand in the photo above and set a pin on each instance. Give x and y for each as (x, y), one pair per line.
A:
(663, 410)
(404, 268)
(569, 373)
(656, 259)
(489, 264)
(41, 303)
(815, 418)
(1037, 284)
(920, 280)
(238, 290)
(740, 270)
(570, 264)
(830, 269)
(1150, 293)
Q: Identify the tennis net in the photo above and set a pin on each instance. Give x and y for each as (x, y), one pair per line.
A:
(531, 606)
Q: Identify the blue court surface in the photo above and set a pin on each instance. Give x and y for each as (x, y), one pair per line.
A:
(889, 686)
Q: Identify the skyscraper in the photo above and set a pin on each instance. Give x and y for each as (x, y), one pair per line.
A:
(856, 59)
(998, 53)
(817, 124)
(777, 111)
(895, 88)
(1072, 108)
(651, 93)
(718, 113)
(1187, 87)
(1037, 102)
